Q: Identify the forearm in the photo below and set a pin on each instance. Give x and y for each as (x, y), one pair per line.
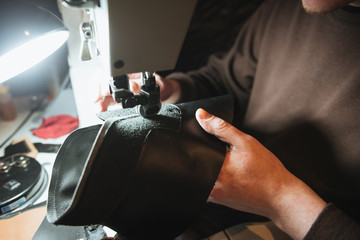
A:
(199, 84)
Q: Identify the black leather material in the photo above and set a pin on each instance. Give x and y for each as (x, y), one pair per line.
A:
(142, 177)
(48, 231)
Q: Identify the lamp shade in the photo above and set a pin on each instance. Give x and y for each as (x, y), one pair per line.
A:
(28, 35)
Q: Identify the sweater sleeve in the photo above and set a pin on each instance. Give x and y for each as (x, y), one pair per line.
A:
(232, 72)
(333, 224)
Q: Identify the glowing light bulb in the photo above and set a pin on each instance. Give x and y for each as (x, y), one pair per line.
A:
(31, 53)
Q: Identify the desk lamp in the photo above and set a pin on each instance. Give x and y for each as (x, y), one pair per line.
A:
(28, 35)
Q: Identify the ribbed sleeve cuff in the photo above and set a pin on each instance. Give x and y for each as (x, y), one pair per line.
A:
(333, 223)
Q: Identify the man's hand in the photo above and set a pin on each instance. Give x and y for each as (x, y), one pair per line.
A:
(169, 89)
(252, 179)
(103, 100)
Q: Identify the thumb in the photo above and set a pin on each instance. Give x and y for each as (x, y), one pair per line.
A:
(218, 127)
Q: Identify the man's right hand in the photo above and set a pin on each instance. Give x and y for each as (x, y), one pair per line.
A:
(252, 179)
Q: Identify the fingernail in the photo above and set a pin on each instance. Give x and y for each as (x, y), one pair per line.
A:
(204, 114)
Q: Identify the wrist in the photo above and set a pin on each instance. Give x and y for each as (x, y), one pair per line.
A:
(171, 91)
(296, 208)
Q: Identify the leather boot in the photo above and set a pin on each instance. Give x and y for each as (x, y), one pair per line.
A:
(145, 178)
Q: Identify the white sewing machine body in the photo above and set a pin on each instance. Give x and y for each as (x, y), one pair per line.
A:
(110, 38)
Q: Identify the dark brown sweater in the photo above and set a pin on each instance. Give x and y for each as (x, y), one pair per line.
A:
(295, 78)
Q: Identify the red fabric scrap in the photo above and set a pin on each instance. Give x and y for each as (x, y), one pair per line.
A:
(56, 126)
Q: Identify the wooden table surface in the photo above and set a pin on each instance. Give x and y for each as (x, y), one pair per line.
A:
(22, 226)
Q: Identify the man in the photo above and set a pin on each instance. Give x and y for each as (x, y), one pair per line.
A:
(295, 78)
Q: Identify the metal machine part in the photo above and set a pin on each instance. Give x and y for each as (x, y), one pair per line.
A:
(147, 102)
(22, 181)
(87, 37)
(17, 160)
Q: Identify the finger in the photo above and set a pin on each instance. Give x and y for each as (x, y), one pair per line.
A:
(101, 94)
(159, 81)
(218, 127)
(134, 75)
(135, 87)
(106, 102)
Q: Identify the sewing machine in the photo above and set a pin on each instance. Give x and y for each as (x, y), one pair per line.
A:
(111, 38)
